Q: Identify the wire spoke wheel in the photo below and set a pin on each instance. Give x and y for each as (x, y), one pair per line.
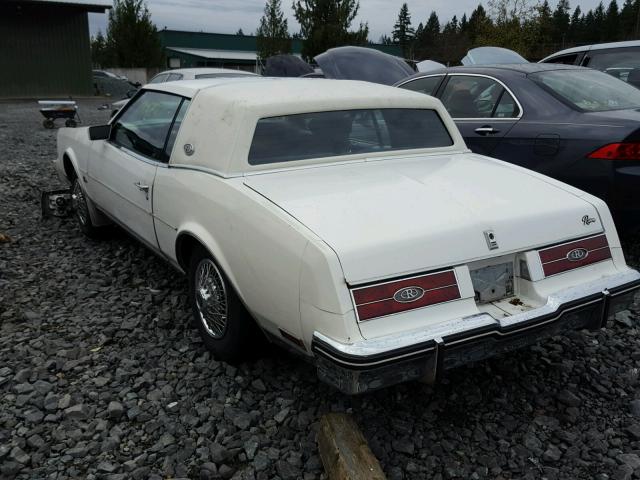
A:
(211, 298)
(79, 203)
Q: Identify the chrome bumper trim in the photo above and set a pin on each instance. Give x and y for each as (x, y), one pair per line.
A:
(460, 340)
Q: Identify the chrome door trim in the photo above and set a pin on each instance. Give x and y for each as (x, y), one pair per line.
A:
(492, 119)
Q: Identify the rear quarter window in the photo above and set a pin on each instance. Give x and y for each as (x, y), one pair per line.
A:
(346, 132)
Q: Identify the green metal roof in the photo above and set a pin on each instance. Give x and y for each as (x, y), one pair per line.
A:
(245, 43)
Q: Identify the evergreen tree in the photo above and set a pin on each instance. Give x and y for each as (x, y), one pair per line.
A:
(599, 17)
(545, 26)
(628, 17)
(325, 24)
(132, 38)
(480, 25)
(612, 23)
(402, 32)
(576, 26)
(99, 55)
(561, 22)
(273, 33)
(464, 24)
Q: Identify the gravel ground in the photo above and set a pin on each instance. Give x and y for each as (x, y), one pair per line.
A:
(102, 375)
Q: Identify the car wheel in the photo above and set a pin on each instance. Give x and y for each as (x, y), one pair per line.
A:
(81, 209)
(48, 123)
(225, 326)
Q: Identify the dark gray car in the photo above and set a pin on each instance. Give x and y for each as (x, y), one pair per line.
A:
(574, 124)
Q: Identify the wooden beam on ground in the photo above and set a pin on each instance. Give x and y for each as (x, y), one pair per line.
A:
(344, 451)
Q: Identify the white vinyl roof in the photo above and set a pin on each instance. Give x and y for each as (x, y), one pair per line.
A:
(215, 54)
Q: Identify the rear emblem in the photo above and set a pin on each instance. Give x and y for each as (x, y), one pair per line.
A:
(587, 220)
(408, 294)
(577, 254)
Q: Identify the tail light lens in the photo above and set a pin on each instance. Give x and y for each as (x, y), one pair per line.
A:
(617, 151)
(397, 296)
(567, 256)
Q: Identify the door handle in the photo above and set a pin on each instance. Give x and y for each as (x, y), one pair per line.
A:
(141, 187)
(486, 130)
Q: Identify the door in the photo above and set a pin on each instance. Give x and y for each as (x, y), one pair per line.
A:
(122, 169)
(483, 109)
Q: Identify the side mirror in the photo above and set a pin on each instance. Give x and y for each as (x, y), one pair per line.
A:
(99, 132)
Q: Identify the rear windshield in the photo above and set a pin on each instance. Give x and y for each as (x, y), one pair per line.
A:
(589, 90)
(329, 134)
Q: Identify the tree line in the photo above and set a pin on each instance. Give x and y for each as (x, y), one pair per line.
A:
(534, 30)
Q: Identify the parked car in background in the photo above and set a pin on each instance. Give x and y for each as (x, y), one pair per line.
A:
(198, 74)
(361, 63)
(110, 84)
(353, 225)
(574, 124)
(620, 59)
(106, 74)
(492, 56)
(185, 74)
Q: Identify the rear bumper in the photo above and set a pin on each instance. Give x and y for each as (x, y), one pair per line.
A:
(426, 353)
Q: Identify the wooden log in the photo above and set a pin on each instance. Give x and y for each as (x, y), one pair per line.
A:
(344, 451)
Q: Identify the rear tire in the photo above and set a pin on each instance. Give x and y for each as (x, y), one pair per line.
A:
(226, 328)
(48, 123)
(81, 210)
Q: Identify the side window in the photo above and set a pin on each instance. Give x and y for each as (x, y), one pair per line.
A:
(622, 63)
(471, 97)
(174, 76)
(144, 125)
(426, 85)
(160, 78)
(507, 107)
(564, 59)
(175, 127)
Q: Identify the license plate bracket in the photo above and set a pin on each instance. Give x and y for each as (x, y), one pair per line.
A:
(493, 282)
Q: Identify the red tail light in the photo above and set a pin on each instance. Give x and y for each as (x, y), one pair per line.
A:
(579, 253)
(406, 294)
(617, 151)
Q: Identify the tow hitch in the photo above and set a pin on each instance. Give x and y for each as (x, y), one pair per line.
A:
(56, 203)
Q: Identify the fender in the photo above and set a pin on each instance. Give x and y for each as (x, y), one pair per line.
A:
(211, 245)
(97, 217)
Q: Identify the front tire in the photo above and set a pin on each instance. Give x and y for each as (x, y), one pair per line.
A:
(225, 326)
(81, 210)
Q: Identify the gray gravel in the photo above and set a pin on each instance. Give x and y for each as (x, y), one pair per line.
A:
(102, 375)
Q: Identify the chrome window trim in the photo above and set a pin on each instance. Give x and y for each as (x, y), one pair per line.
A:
(486, 119)
(413, 79)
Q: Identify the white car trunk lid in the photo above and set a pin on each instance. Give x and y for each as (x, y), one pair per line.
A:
(413, 214)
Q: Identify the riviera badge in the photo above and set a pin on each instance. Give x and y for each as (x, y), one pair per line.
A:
(577, 254)
(408, 294)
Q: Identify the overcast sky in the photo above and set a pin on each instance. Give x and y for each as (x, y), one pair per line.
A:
(227, 16)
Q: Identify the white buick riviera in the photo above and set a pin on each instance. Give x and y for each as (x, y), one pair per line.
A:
(347, 221)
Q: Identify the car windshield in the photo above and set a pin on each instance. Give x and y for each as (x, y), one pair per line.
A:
(346, 132)
(589, 90)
